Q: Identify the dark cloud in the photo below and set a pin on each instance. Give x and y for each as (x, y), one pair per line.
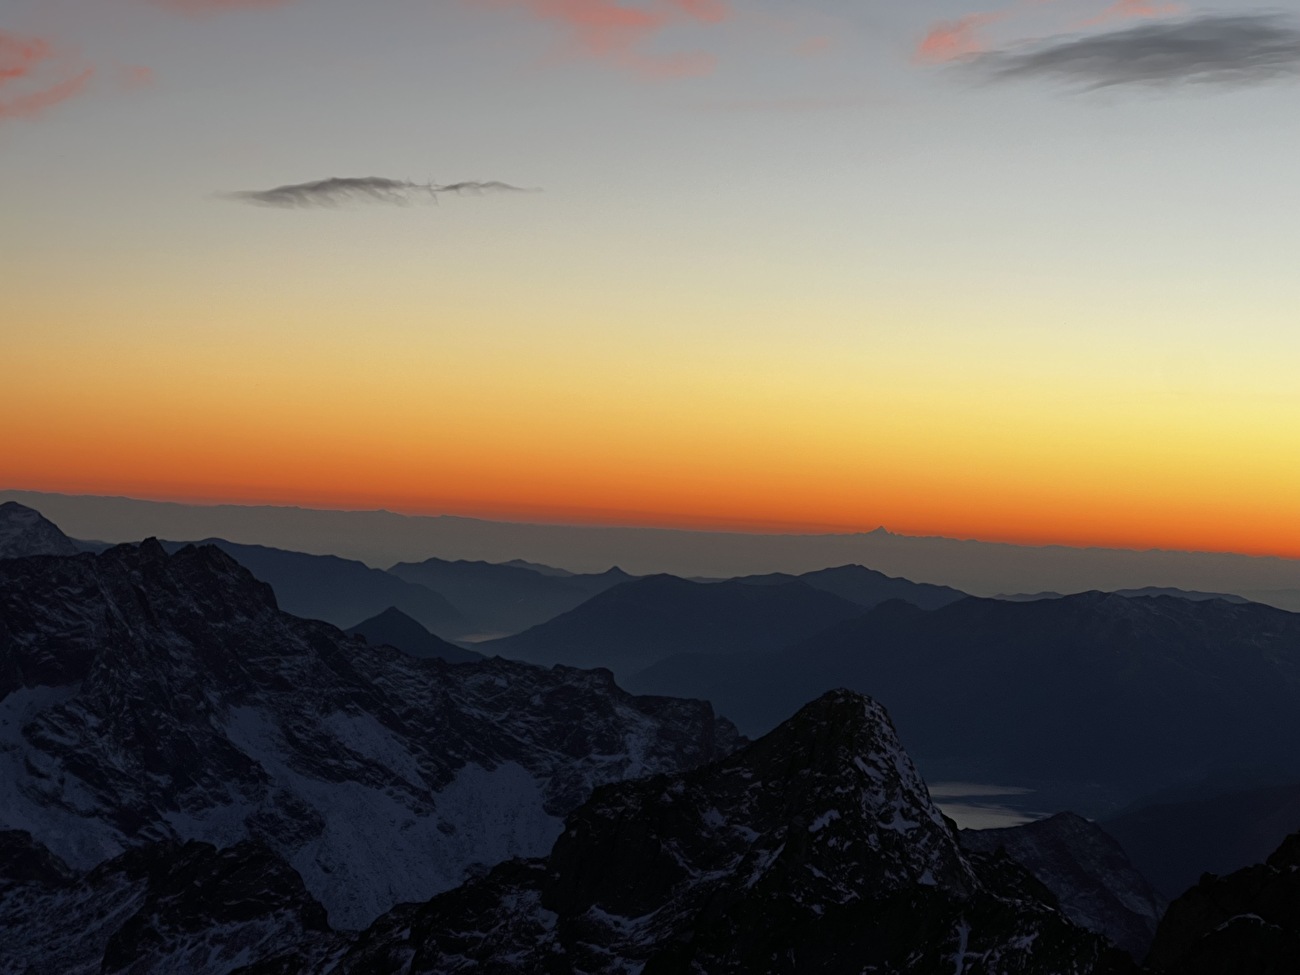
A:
(1216, 49)
(340, 191)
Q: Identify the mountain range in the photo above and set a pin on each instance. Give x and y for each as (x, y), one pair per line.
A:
(381, 538)
(193, 780)
(148, 696)
(507, 598)
(636, 624)
(393, 628)
(1094, 699)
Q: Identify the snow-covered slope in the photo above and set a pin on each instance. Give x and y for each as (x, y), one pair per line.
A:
(151, 697)
(815, 850)
(1088, 871)
(25, 531)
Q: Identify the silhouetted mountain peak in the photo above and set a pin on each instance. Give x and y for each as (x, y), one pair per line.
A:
(25, 531)
(396, 629)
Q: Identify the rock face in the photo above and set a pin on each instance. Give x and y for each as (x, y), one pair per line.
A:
(1248, 921)
(25, 531)
(338, 591)
(163, 907)
(814, 850)
(148, 697)
(1088, 872)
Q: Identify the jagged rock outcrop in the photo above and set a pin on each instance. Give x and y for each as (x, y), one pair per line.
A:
(162, 907)
(149, 697)
(814, 850)
(1248, 921)
(1088, 872)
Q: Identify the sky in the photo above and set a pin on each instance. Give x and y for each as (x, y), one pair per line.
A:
(1021, 272)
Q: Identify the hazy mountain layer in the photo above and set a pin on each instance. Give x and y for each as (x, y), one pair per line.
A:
(503, 599)
(381, 538)
(1108, 696)
(1174, 842)
(393, 628)
(339, 591)
(638, 623)
(866, 587)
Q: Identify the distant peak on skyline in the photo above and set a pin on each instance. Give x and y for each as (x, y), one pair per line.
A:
(382, 539)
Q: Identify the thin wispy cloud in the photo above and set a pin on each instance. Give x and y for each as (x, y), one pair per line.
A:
(35, 76)
(1133, 10)
(965, 37)
(342, 191)
(1245, 49)
(617, 33)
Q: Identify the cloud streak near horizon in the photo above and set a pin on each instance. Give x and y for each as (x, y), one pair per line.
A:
(340, 191)
(1240, 49)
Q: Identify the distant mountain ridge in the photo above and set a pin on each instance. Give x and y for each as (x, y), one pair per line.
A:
(339, 591)
(638, 623)
(866, 587)
(509, 597)
(382, 538)
(393, 628)
(995, 691)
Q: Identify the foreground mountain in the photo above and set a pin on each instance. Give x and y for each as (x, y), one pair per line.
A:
(147, 696)
(507, 598)
(1096, 885)
(639, 623)
(1248, 921)
(866, 587)
(393, 628)
(1174, 841)
(338, 591)
(814, 850)
(25, 531)
(163, 907)
(1098, 697)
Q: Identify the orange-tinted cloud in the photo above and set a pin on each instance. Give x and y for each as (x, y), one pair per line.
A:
(217, 6)
(955, 40)
(815, 45)
(1133, 10)
(35, 77)
(952, 40)
(612, 31)
(135, 76)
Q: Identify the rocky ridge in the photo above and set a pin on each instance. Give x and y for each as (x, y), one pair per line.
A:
(147, 697)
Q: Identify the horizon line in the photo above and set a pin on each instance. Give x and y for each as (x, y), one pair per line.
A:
(753, 530)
